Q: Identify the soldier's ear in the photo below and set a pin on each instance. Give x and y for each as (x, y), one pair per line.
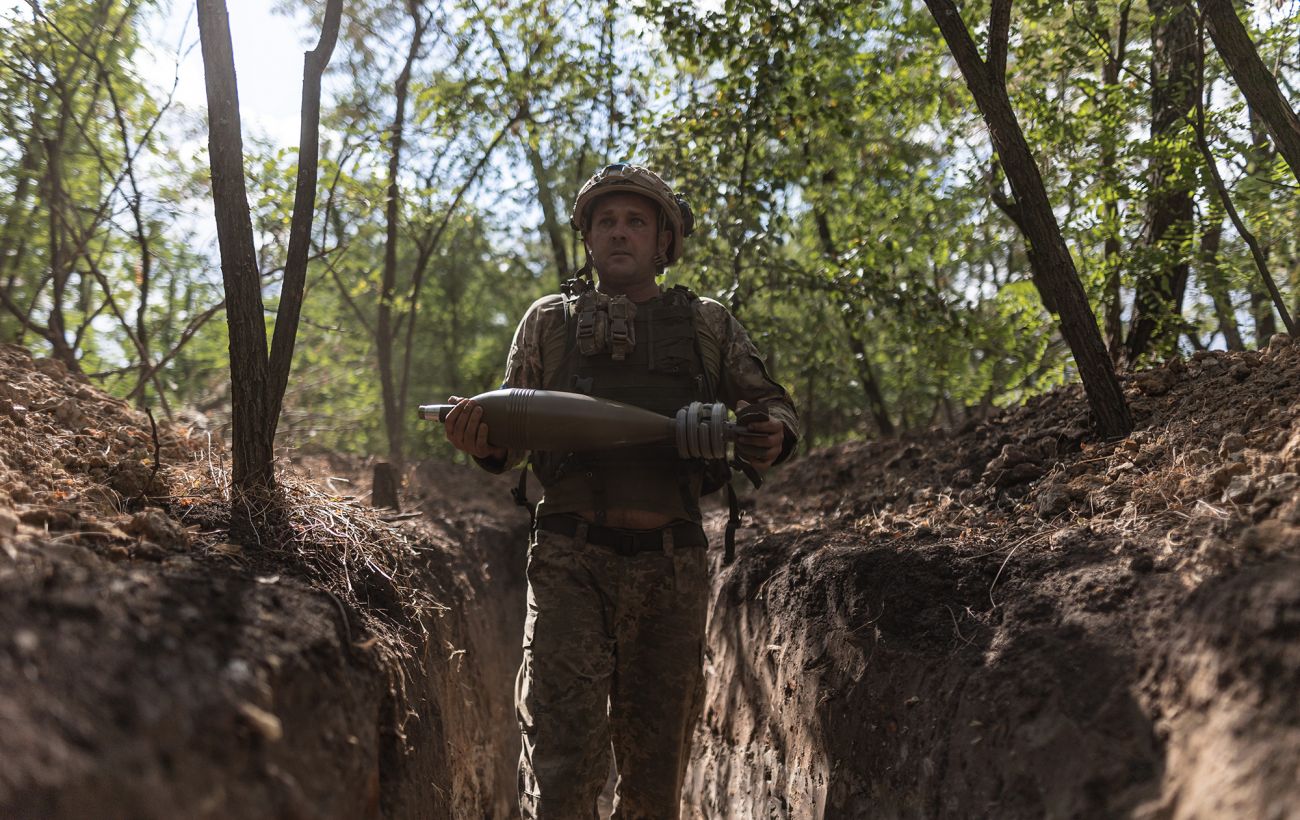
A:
(665, 239)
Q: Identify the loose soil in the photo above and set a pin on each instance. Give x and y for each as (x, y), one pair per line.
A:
(1011, 620)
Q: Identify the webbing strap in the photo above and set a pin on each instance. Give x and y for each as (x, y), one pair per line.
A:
(520, 495)
(733, 523)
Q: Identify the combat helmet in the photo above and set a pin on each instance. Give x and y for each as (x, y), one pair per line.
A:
(674, 213)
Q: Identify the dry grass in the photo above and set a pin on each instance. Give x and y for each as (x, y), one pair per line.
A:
(367, 565)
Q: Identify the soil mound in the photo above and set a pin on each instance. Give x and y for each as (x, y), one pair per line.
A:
(1019, 620)
(149, 668)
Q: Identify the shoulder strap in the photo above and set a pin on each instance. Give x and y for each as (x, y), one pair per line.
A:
(709, 387)
(520, 494)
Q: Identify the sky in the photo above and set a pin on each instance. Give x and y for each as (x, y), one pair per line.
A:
(268, 63)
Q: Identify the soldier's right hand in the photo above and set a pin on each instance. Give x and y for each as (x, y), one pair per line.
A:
(466, 431)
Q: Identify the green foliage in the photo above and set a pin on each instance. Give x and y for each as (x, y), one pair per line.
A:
(843, 182)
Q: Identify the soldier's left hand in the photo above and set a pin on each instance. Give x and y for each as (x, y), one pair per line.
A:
(762, 441)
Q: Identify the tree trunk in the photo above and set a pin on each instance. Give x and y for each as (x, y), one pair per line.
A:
(257, 387)
(1257, 84)
(1216, 284)
(385, 332)
(294, 285)
(60, 263)
(1048, 255)
(555, 230)
(384, 486)
(1261, 309)
(1157, 304)
(1112, 249)
(867, 374)
(251, 448)
(1257, 252)
(853, 320)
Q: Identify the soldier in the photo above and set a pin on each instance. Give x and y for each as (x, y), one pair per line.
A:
(617, 572)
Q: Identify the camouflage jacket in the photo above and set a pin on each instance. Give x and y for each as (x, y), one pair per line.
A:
(730, 358)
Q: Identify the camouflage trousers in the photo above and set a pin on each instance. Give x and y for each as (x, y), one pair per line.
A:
(613, 655)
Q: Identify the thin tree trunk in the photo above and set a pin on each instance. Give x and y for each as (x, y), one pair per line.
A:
(1157, 304)
(1112, 249)
(853, 320)
(1261, 310)
(60, 260)
(1216, 180)
(294, 285)
(866, 373)
(555, 231)
(252, 449)
(257, 380)
(1216, 284)
(385, 333)
(1256, 82)
(1057, 277)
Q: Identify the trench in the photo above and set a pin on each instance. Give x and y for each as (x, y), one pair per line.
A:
(845, 679)
(874, 682)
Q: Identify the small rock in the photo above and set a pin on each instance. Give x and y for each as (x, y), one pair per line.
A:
(1239, 371)
(155, 525)
(1240, 490)
(1047, 447)
(50, 518)
(267, 724)
(131, 478)
(1291, 450)
(1155, 382)
(53, 368)
(1069, 536)
(1142, 562)
(1283, 482)
(1277, 341)
(1225, 474)
(1020, 473)
(1233, 442)
(1191, 487)
(148, 551)
(68, 413)
(1213, 367)
(26, 641)
(1052, 503)
(1271, 537)
(1013, 454)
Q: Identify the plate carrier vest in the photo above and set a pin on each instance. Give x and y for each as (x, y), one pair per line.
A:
(647, 355)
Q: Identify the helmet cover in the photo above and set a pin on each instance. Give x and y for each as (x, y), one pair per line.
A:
(635, 179)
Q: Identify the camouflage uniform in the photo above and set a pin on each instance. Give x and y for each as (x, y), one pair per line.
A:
(613, 644)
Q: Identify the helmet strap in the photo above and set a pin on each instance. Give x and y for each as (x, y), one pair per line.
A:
(585, 270)
(661, 257)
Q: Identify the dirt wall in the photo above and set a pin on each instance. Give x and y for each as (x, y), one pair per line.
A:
(1022, 621)
(349, 668)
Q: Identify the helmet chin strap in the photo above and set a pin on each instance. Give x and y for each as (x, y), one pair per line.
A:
(661, 257)
(585, 270)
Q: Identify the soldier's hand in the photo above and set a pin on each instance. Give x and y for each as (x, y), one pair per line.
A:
(466, 431)
(762, 442)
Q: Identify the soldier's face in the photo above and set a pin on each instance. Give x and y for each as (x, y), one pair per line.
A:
(624, 239)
